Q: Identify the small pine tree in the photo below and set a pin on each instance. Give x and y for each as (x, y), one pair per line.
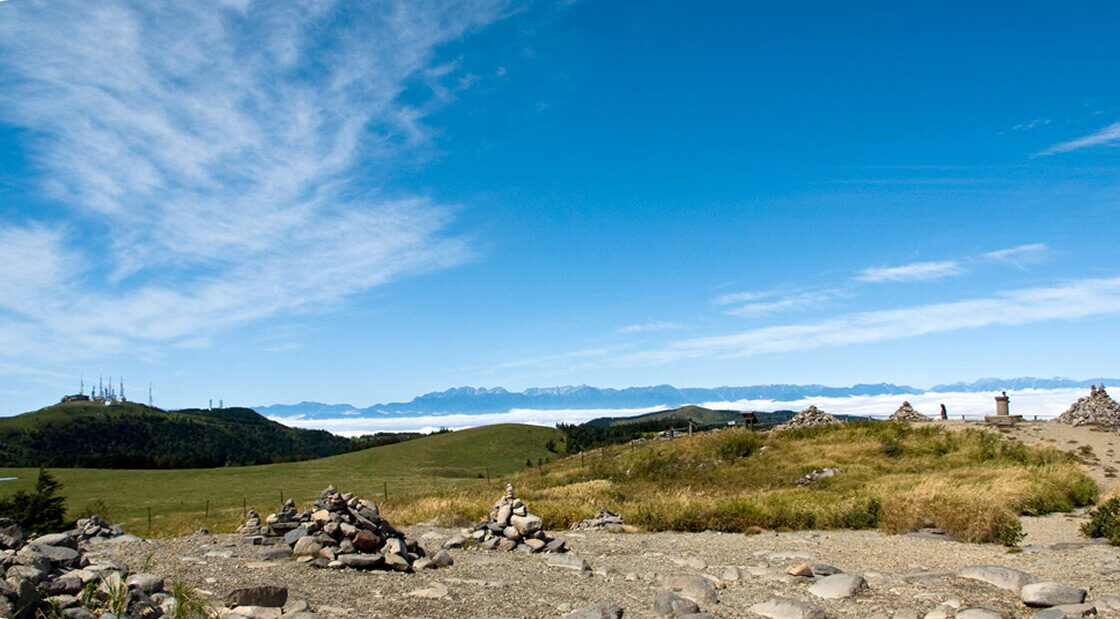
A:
(40, 511)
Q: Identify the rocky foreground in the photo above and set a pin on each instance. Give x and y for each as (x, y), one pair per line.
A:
(801, 574)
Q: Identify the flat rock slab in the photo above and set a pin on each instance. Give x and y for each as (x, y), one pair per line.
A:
(981, 612)
(1042, 594)
(435, 591)
(779, 607)
(568, 561)
(602, 610)
(261, 595)
(838, 586)
(1002, 577)
(1070, 610)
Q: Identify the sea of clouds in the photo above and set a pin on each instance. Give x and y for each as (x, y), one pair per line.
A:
(1030, 403)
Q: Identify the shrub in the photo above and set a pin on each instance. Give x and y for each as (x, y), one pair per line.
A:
(1104, 521)
(40, 511)
(738, 444)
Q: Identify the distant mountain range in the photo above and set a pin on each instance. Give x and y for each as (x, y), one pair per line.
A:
(471, 400)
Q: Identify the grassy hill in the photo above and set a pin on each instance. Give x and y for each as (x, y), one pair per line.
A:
(698, 414)
(178, 498)
(130, 435)
(973, 483)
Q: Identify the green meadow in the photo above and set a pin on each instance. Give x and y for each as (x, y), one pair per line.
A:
(178, 498)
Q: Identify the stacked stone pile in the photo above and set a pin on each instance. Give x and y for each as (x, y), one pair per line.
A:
(605, 519)
(1098, 409)
(510, 526)
(342, 532)
(907, 413)
(51, 571)
(808, 418)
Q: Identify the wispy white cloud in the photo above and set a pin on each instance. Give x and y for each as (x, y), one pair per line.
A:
(916, 271)
(1107, 135)
(647, 327)
(1023, 254)
(793, 302)
(205, 152)
(743, 297)
(1076, 299)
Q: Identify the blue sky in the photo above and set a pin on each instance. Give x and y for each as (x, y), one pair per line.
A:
(359, 202)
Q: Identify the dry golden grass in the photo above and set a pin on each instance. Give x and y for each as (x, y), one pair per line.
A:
(971, 483)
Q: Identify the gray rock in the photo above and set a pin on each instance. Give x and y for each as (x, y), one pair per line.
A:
(668, 604)
(455, 541)
(63, 585)
(838, 586)
(33, 556)
(731, 574)
(260, 595)
(291, 537)
(6, 608)
(397, 562)
(24, 572)
(778, 607)
(981, 612)
(824, 569)
(568, 561)
(362, 562)
(27, 598)
(1077, 610)
(1042, 594)
(79, 613)
(602, 610)
(306, 546)
(443, 559)
(1002, 577)
(395, 546)
(556, 545)
(275, 554)
(696, 588)
(56, 539)
(526, 525)
(148, 583)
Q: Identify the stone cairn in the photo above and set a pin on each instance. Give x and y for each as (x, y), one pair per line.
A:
(605, 519)
(809, 418)
(1098, 409)
(907, 413)
(342, 532)
(510, 526)
(50, 572)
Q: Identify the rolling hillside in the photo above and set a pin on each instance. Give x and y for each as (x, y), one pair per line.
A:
(183, 500)
(698, 414)
(129, 435)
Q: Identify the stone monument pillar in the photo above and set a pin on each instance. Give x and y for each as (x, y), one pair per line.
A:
(1003, 416)
(1002, 408)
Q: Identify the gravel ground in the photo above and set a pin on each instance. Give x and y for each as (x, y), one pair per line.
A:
(628, 568)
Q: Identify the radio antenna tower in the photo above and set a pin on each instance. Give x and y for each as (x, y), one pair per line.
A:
(149, 395)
